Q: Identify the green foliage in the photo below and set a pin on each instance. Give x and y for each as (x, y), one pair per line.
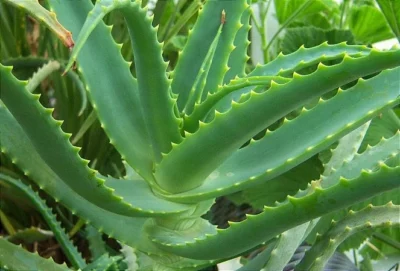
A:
(207, 129)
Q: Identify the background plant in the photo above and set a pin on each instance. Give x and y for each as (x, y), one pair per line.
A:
(161, 228)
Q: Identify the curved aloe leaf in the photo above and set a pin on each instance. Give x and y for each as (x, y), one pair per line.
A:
(14, 257)
(211, 242)
(124, 124)
(370, 217)
(16, 144)
(153, 88)
(136, 193)
(66, 244)
(230, 130)
(46, 17)
(253, 164)
(46, 136)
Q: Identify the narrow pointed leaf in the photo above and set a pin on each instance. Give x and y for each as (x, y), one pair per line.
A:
(198, 44)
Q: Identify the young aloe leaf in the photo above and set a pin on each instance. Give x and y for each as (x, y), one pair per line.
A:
(66, 244)
(198, 93)
(46, 17)
(198, 45)
(214, 142)
(14, 257)
(41, 74)
(153, 88)
(370, 217)
(291, 144)
(124, 124)
(239, 237)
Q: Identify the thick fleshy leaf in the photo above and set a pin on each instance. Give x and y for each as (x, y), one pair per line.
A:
(153, 88)
(124, 124)
(207, 242)
(216, 141)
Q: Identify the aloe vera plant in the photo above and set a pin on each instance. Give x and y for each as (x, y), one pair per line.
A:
(186, 137)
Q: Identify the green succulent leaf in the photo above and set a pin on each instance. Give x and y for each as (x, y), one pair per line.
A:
(15, 143)
(211, 243)
(124, 124)
(153, 88)
(287, 64)
(45, 135)
(223, 137)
